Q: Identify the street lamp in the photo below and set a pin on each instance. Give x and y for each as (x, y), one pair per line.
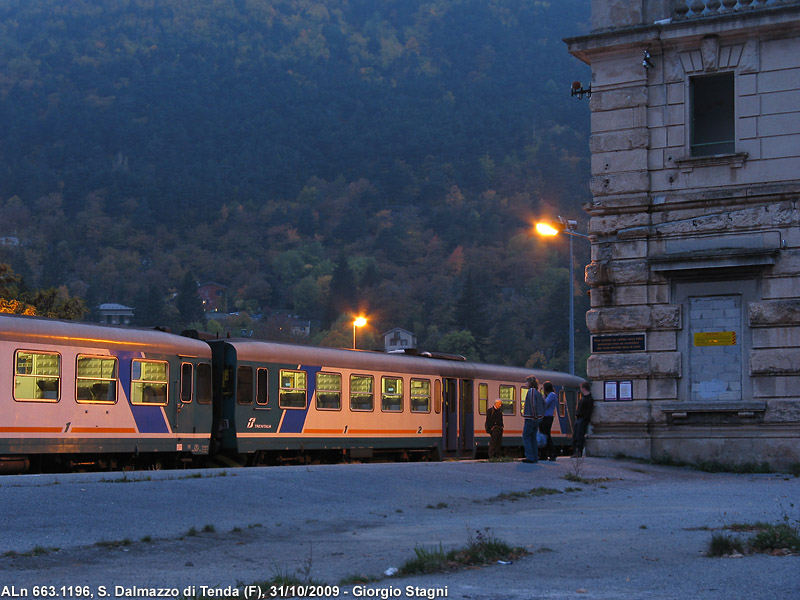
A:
(359, 322)
(567, 227)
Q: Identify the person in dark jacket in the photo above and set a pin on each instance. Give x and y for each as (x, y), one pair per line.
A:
(546, 426)
(494, 427)
(583, 415)
(532, 412)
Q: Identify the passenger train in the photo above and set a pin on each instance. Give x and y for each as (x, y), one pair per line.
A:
(77, 395)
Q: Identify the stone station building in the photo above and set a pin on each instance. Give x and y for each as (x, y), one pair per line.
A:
(695, 271)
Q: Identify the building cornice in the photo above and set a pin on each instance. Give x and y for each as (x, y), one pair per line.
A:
(770, 20)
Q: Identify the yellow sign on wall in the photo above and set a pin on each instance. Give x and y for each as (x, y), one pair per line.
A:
(715, 338)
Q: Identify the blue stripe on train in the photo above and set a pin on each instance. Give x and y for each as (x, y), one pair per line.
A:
(149, 419)
(294, 419)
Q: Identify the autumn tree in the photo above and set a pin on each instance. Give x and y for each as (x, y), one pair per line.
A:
(51, 302)
(188, 303)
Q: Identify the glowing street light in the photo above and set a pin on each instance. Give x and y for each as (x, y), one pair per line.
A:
(543, 228)
(567, 227)
(359, 322)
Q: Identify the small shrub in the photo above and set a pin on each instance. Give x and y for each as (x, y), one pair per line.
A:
(514, 496)
(425, 561)
(723, 545)
(577, 479)
(483, 549)
(776, 537)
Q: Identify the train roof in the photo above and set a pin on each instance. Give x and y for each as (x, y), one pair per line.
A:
(258, 350)
(39, 330)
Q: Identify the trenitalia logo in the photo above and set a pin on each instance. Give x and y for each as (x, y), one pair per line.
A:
(251, 424)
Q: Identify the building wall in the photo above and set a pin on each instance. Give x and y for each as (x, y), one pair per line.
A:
(697, 255)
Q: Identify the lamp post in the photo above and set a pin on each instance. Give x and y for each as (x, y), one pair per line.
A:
(359, 322)
(567, 227)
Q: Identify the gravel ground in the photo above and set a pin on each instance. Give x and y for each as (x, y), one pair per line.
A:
(628, 531)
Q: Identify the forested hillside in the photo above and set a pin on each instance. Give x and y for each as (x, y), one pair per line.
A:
(316, 156)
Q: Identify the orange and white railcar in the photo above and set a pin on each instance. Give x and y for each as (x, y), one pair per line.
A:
(74, 393)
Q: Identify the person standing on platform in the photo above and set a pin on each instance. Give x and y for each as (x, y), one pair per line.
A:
(583, 415)
(532, 414)
(546, 426)
(494, 427)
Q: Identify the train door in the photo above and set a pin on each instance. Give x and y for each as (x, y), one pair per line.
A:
(253, 418)
(185, 405)
(193, 405)
(458, 418)
(450, 415)
(567, 400)
(467, 417)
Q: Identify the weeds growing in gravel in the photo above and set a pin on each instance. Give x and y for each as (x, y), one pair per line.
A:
(358, 579)
(514, 496)
(282, 580)
(709, 466)
(724, 545)
(780, 538)
(35, 551)
(577, 479)
(482, 549)
(113, 543)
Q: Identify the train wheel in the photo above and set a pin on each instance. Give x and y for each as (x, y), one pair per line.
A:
(14, 465)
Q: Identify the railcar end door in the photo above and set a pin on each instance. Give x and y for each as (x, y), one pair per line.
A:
(467, 416)
(450, 415)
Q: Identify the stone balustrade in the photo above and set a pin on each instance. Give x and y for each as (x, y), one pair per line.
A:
(705, 8)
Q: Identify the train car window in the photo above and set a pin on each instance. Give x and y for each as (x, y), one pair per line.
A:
(420, 395)
(468, 397)
(204, 383)
(329, 391)
(227, 381)
(562, 403)
(244, 385)
(149, 381)
(361, 390)
(294, 388)
(262, 387)
(483, 397)
(508, 396)
(391, 394)
(187, 374)
(37, 376)
(96, 379)
(437, 396)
